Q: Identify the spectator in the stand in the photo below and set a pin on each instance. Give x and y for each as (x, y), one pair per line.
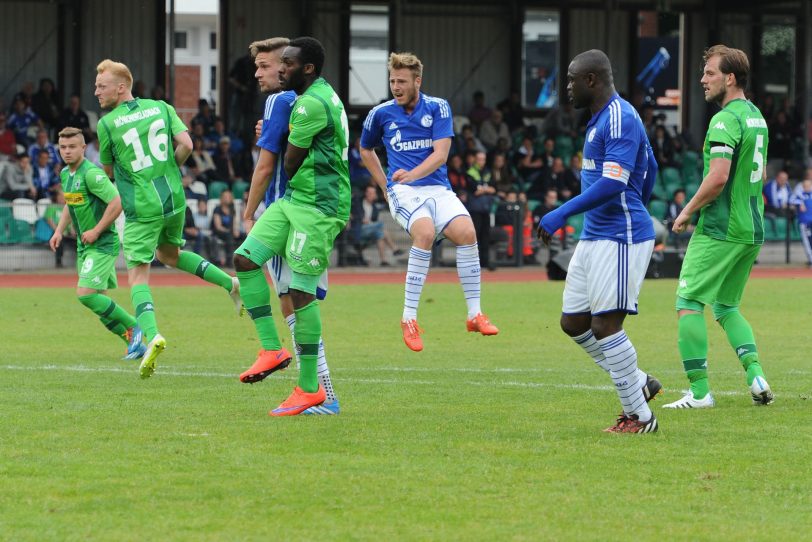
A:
(225, 226)
(649, 121)
(549, 203)
(492, 129)
(158, 93)
(663, 147)
(187, 181)
(675, 207)
(227, 169)
(139, 89)
(17, 178)
(205, 116)
(468, 141)
(803, 203)
(366, 228)
(46, 179)
(42, 144)
(777, 194)
(203, 224)
(26, 93)
(513, 111)
(193, 235)
(359, 174)
(219, 131)
(456, 174)
(531, 167)
(92, 149)
(556, 178)
(243, 90)
(502, 176)
(479, 112)
(73, 115)
(481, 195)
(200, 162)
(562, 121)
(46, 103)
(548, 153)
(20, 120)
(507, 213)
(8, 143)
(781, 134)
(572, 178)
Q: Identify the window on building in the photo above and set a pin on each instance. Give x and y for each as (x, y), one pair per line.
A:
(777, 75)
(213, 77)
(541, 76)
(369, 46)
(213, 40)
(180, 40)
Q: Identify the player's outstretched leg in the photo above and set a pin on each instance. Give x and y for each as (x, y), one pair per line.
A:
(693, 348)
(309, 392)
(197, 265)
(117, 320)
(416, 273)
(330, 405)
(256, 295)
(470, 275)
(621, 358)
(741, 338)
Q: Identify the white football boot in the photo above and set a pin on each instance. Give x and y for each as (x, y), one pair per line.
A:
(688, 401)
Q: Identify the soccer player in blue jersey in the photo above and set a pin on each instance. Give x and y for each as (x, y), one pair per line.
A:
(610, 260)
(269, 181)
(416, 131)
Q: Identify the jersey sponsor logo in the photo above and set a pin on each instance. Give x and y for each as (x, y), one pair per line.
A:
(756, 123)
(393, 126)
(301, 110)
(138, 115)
(418, 144)
(720, 126)
(591, 135)
(74, 198)
(87, 266)
(588, 163)
(427, 121)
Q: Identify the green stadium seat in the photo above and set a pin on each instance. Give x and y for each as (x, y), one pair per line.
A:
(564, 146)
(577, 222)
(657, 208)
(5, 211)
(671, 176)
(779, 229)
(239, 188)
(216, 188)
(20, 232)
(532, 204)
(660, 191)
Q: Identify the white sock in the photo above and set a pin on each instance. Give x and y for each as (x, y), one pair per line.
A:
(589, 343)
(469, 272)
(418, 268)
(621, 358)
(291, 321)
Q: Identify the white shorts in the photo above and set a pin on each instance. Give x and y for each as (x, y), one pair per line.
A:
(281, 275)
(407, 203)
(606, 276)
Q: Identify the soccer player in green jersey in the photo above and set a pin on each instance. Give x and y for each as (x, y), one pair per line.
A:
(302, 225)
(730, 231)
(92, 203)
(136, 147)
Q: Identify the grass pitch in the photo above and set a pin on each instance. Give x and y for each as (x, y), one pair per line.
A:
(475, 438)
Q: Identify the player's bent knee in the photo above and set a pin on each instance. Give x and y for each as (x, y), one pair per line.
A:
(301, 299)
(241, 263)
(168, 255)
(720, 311)
(575, 324)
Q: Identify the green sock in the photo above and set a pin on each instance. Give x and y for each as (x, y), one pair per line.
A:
(740, 336)
(256, 296)
(693, 348)
(308, 331)
(144, 310)
(196, 265)
(114, 318)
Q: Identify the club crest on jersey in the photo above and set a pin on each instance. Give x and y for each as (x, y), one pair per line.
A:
(591, 135)
(87, 266)
(427, 121)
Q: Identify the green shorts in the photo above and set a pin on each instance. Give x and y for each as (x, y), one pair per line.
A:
(302, 235)
(142, 238)
(97, 270)
(715, 270)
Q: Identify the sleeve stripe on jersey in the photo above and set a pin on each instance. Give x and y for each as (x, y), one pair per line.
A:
(371, 115)
(614, 120)
(613, 170)
(724, 149)
(444, 112)
(269, 103)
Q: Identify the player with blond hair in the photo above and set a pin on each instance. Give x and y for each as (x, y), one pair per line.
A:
(416, 131)
(136, 148)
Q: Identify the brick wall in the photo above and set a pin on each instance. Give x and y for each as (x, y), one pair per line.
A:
(187, 91)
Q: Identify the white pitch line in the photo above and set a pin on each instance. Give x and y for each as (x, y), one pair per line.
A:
(206, 374)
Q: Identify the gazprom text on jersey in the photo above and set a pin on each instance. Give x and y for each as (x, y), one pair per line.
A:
(138, 115)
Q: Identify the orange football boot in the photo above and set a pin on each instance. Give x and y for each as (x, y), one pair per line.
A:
(411, 335)
(268, 361)
(481, 324)
(299, 401)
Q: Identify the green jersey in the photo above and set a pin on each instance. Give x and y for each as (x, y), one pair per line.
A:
(737, 133)
(318, 123)
(87, 193)
(136, 137)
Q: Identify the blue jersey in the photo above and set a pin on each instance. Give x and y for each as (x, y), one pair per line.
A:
(409, 139)
(274, 138)
(617, 147)
(805, 198)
